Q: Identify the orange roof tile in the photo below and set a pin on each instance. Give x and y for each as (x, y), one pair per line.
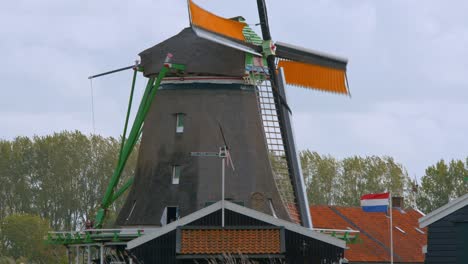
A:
(375, 234)
(234, 241)
(293, 213)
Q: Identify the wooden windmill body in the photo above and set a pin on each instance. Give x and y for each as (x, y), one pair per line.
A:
(226, 64)
(205, 100)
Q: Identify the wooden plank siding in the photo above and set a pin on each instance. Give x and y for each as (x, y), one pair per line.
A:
(445, 242)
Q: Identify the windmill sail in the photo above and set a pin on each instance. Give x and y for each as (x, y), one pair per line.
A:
(227, 32)
(211, 22)
(208, 35)
(314, 76)
(312, 69)
(296, 53)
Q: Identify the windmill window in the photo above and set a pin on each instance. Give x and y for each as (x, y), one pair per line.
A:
(176, 169)
(170, 214)
(180, 117)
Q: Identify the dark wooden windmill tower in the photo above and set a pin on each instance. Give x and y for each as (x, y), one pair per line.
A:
(235, 80)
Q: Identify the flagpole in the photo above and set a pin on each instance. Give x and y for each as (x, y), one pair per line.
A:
(391, 229)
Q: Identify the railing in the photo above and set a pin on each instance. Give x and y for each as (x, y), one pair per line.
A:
(350, 236)
(93, 236)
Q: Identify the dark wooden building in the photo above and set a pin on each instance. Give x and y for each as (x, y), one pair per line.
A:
(247, 233)
(447, 240)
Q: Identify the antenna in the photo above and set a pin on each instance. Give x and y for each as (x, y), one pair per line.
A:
(228, 153)
(223, 154)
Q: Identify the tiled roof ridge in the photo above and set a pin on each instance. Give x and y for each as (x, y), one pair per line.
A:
(363, 231)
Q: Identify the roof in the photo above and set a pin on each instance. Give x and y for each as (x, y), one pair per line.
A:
(443, 211)
(240, 210)
(374, 233)
(200, 56)
(241, 241)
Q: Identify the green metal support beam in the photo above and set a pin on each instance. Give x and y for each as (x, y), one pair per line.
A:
(122, 190)
(128, 145)
(130, 100)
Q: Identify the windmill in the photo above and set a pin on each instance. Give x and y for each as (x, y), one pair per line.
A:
(231, 74)
(216, 74)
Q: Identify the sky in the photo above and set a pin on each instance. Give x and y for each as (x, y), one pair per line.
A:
(408, 69)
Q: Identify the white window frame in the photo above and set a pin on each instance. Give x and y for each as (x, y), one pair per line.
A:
(176, 169)
(180, 125)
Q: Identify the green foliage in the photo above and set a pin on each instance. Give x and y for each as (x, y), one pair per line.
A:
(442, 183)
(60, 177)
(331, 181)
(22, 238)
(321, 175)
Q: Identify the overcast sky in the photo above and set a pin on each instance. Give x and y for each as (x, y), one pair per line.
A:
(408, 65)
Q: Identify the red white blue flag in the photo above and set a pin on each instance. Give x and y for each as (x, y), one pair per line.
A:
(375, 202)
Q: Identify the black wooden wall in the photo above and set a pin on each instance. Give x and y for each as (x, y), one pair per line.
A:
(447, 240)
(299, 248)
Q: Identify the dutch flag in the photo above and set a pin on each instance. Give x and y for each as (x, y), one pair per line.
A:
(376, 202)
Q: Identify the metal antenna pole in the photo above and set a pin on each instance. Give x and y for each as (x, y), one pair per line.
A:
(223, 154)
(223, 161)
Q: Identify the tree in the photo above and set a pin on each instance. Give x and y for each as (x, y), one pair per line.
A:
(61, 177)
(321, 175)
(330, 181)
(351, 181)
(22, 237)
(442, 183)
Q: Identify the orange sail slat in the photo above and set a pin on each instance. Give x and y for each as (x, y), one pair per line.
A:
(206, 20)
(314, 76)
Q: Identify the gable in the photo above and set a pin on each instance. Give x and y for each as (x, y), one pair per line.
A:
(445, 210)
(238, 215)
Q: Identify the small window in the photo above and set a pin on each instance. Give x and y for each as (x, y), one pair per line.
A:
(180, 123)
(170, 214)
(176, 174)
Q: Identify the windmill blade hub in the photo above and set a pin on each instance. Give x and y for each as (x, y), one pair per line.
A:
(269, 48)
